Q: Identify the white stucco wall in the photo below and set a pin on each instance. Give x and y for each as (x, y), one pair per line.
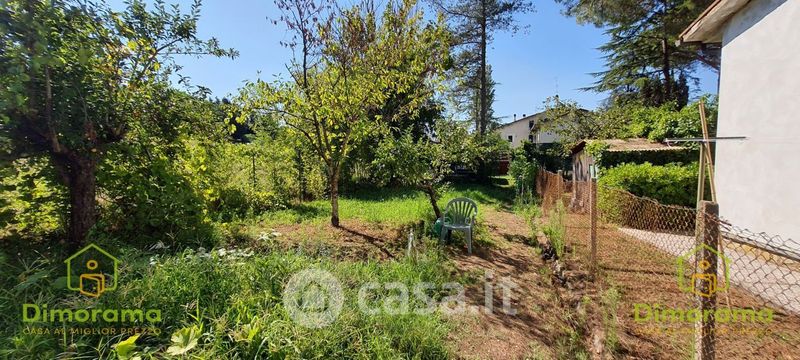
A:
(520, 131)
(758, 179)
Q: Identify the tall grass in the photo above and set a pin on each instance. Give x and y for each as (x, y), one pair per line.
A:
(235, 298)
(555, 229)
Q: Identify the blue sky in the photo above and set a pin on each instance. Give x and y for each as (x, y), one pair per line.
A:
(555, 53)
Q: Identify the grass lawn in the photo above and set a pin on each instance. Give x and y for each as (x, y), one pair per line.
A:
(227, 302)
(392, 206)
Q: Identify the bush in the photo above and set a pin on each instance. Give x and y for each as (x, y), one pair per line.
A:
(552, 157)
(671, 184)
(149, 201)
(32, 204)
(523, 171)
(260, 176)
(610, 159)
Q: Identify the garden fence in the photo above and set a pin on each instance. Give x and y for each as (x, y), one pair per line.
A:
(668, 260)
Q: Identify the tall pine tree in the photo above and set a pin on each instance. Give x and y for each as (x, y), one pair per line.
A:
(643, 63)
(473, 23)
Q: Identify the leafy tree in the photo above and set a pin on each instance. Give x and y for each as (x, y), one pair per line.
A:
(626, 120)
(571, 123)
(78, 76)
(473, 24)
(642, 59)
(347, 65)
(424, 163)
(665, 121)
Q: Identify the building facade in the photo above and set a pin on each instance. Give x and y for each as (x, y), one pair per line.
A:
(759, 98)
(522, 129)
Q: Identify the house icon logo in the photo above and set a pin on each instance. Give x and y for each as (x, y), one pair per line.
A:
(92, 271)
(700, 282)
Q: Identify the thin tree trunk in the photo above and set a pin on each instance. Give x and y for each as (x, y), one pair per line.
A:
(666, 70)
(334, 184)
(432, 197)
(483, 101)
(665, 66)
(82, 193)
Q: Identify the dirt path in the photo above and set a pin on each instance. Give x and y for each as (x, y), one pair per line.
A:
(538, 329)
(643, 272)
(776, 284)
(535, 329)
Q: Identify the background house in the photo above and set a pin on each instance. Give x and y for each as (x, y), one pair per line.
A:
(520, 130)
(759, 97)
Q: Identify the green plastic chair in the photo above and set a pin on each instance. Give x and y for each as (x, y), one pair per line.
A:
(459, 215)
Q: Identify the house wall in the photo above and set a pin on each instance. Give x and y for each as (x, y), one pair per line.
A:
(757, 179)
(520, 131)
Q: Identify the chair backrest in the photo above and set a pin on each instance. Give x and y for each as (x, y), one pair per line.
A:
(460, 211)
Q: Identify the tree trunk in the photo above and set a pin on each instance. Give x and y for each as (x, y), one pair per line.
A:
(82, 193)
(665, 66)
(333, 180)
(666, 70)
(483, 100)
(432, 197)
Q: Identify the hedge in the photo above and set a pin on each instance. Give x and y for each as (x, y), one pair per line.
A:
(670, 184)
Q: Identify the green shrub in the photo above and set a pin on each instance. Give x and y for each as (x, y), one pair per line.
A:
(260, 176)
(552, 157)
(671, 184)
(523, 171)
(150, 201)
(32, 204)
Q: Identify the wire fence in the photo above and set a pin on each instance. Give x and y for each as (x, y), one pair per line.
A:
(691, 284)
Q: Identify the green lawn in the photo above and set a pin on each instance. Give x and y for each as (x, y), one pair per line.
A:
(392, 206)
(230, 301)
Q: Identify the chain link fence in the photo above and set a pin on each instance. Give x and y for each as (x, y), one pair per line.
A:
(691, 284)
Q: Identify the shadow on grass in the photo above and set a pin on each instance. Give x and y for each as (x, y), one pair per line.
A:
(391, 204)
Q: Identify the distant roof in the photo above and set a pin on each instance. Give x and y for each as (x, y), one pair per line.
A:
(707, 27)
(618, 145)
(530, 117)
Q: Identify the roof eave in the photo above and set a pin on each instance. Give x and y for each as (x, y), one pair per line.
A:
(707, 28)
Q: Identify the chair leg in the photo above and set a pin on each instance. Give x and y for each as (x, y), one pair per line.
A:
(441, 235)
(469, 241)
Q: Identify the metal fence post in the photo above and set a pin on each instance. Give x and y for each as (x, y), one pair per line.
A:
(705, 278)
(593, 222)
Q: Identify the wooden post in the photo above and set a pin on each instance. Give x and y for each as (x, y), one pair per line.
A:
(593, 222)
(701, 178)
(560, 186)
(707, 146)
(705, 279)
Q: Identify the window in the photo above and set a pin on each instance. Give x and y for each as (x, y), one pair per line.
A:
(530, 124)
(510, 138)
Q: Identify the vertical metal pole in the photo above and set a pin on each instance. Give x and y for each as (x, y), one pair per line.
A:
(705, 280)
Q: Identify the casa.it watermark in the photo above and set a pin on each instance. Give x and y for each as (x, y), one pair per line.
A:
(314, 298)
